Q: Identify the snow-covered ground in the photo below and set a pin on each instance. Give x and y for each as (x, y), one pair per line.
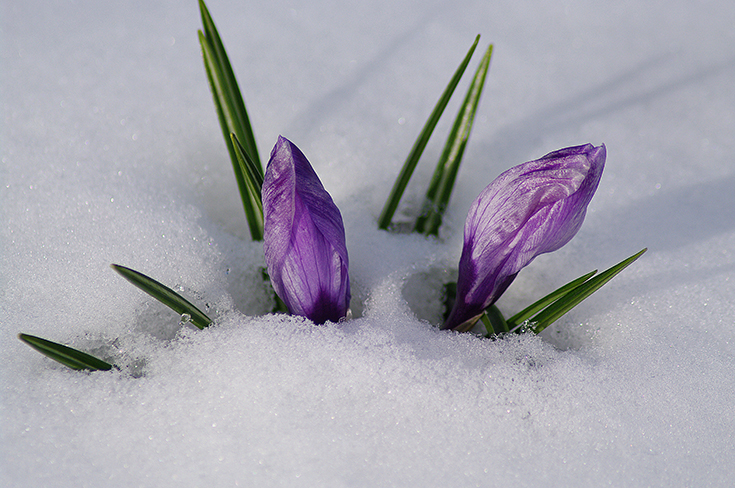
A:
(112, 153)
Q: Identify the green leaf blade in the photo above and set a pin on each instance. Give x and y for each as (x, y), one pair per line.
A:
(253, 180)
(247, 166)
(445, 174)
(239, 121)
(165, 295)
(555, 311)
(399, 187)
(225, 115)
(65, 355)
(233, 119)
(494, 321)
(528, 312)
(489, 329)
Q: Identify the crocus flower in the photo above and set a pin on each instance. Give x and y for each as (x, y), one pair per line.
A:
(304, 238)
(531, 209)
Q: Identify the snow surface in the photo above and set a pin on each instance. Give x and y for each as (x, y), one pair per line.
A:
(111, 153)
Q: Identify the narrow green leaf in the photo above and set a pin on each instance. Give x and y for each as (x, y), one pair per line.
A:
(495, 317)
(247, 166)
(445, 174)
(418, 147)
(237, 115)
(65, 355)
(165, 295)
(556, 310)
(254, 181)
(488, 325)
(225, 112)
(528, 312)
(233, 118)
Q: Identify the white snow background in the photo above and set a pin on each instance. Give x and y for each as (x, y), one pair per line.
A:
(112, 153)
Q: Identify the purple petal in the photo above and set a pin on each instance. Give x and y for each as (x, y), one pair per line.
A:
(304, 238)
(531, 209)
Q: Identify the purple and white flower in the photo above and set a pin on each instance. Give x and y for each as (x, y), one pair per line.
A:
(531, 209)
(304, 238)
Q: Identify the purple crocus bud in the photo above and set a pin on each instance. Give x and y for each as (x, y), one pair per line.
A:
(530, 209)
(304, 238)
